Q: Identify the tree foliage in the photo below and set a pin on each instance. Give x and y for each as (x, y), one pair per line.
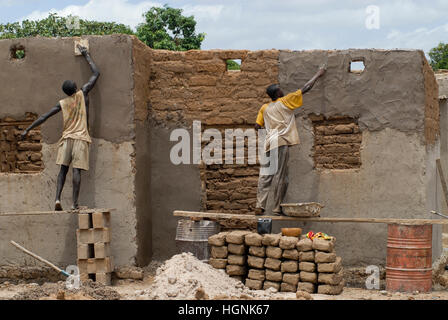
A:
(55, 26)
(167, 28)
(439, 56)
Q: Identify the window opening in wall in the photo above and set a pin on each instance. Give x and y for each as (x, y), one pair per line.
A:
(233, 64)
(357, 66)
(17, 52)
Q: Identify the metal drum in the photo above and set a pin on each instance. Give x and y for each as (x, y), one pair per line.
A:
(192, 236)
(409, 258)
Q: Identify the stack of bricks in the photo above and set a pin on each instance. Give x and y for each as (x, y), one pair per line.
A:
(288, 264)
(93, 237)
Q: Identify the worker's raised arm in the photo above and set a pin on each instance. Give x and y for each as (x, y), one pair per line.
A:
(96, 72)
(41, 120)
(309, 85)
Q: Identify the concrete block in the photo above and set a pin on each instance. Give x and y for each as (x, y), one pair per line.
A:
(308, 277)
(219, 252)
(102, 265)
(237, 237)
(270, 284)
(307, 287)
(291, 254)
(84, 236)
(254, 284)
(256, 274)
(288, 242)
(324, 257)
(101, 220)
(307, 266)
(101, 235)
(102, 250)
(235, 270)
(306, 256)
(103, 278)
(291, 278)
(290, 266)
(253, 239)
(218, 263)
(275, 276)
(218, 240)
(287, 287)
(274, 252)
(83, 251)
(236, 259)
(323, 245)
(305, 245)
(257, 251)
(84, 221)
(273, 264)
(331, 278)
(330, 290)
(271, 239)
(333, 267)
(239, 249)
(255, 262)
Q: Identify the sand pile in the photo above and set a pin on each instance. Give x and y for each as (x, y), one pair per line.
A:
(184, 277)
(88, 291)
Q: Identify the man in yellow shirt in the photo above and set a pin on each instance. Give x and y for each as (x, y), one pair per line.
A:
(278, 118)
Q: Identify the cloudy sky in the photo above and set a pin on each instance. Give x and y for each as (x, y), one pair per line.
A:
(265, 24)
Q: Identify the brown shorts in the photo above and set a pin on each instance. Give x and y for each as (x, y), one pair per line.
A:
(75, 152)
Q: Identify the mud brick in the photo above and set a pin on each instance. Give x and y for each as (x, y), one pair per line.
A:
(84, 277)
(83, 251)
(256, 274)
(84, 221)
(85, 236)
(103, 278)
(236, 259)
(291, 278)
(334, 267)
(87, 266)
(273, 264)
(270, 284)
(274, 275)
(101, 220)
(306, 256)
(239, 249)
(291, 254)
(288, 242)
(102, 250)
(234, 270)
(308, 277)
(218, 263)
(101, 235)
(254, 284)
(331, 278)
(305, 245)
(307, 266)
(253, 239)
(307, 287)
(255, 262)
(287, 287)
(257, 251)
(290, 266)
(219, 252)
(331, 290)
(237, 237)
(274, 252)
(271, 239)
(324, 257)
(103, 265)
(238, 278)
(218, 240)
(323, 245)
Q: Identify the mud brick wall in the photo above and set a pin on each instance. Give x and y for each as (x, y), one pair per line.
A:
(337, 142)
(20, 156)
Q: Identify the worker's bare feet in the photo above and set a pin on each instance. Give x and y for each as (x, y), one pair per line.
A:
(259, 211)
(57, 206)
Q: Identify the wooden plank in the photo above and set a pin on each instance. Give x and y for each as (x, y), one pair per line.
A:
(43, 213)
(442, 180)
(225, 216)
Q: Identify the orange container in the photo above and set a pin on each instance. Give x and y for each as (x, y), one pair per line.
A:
(409, 258)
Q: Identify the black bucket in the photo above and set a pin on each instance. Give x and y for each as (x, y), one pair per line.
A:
(264, 225)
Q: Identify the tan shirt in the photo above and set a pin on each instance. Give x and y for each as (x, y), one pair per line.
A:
(279, 120)
(75, 117)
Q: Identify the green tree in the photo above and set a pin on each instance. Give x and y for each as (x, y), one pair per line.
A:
(55, 26)
(167, 28)
(439, 56)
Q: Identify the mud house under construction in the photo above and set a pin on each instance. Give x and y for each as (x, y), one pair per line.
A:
(369, 142)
